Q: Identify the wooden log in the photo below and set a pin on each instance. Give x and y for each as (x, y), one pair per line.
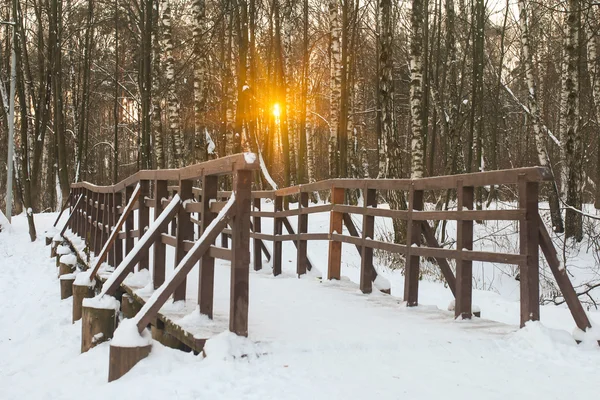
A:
(240, 263)
(66, 286)
(412, 271)
(122, 359)
(301, 245)
(65, 269)
(80, 292)
(185, 231)
(256, 225)
(334, 264)
(97, 326)
(143, 222)
(160, 250)
(206, 281)
(277, 230)
(529, 246)
(367, 270)
(129, 307)
(464, 268)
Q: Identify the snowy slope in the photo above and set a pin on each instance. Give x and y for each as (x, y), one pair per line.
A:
(312, 340)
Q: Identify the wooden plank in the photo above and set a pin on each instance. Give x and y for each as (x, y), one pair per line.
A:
(185, 231)
(159, 249)
(134, 256)
(240, 263)
(114, 234)
(129, 221)
(206, 280)
(277, 231)
(111, 223)
(301, 245)
(367, 270)
(334, 259)
(562, 279)
(529, 246)
(118, 197)
(96, 219)
(412, 271)
(464, 268)
(144, 220)
(256, 228)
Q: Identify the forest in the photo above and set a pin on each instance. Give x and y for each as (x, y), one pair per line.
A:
(317, 88)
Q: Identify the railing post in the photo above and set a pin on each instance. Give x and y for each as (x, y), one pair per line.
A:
(129, 222)
(302, 228)
(528, 243)
(89, 219)
(98, 233)
(143, 221)
(464, 268)
(334, 265)
(256, 242)
(412, 270)
(368, 231)
(240, 261)
(224, 239)
(118, 202)
(277, 231)
(160, 191)
(105, 218)
(111, 223)
(206, 281)
(185, 231)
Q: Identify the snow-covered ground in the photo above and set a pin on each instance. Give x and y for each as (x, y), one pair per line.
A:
(308, 340)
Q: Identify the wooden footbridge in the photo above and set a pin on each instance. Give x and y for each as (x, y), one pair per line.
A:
(190, 213)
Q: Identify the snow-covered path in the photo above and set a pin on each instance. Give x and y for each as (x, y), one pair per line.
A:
(313, 340)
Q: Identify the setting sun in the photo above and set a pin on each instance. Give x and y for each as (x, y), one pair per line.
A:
(276, 110)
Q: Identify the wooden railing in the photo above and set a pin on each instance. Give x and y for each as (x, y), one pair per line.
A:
(103, 205)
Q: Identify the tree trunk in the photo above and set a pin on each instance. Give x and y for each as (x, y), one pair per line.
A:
(557, 223)
(416, 92)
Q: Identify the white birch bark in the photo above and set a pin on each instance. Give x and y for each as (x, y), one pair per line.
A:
(198, 7)
(172, 102)
(416, 91)
(335, 84)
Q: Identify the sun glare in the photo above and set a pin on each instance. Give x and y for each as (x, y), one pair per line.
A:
(276, 110)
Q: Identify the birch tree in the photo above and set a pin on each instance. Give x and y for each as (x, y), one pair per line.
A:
(335, 85)
(570, 132)
(200, 78)
(557, 223)
(416, 89)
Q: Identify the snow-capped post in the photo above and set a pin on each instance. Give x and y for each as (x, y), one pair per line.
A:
(161, 191)
(257, 243)
(412, 269)
(277, 231)
(82, 289)
(334, 259)
(206, 282)
(143, 221)
(99, 321)
(302, 228)
(240, 259)
(185, 231)
(66, 286)
(464, 241)
(529, 269)
(368, 231)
